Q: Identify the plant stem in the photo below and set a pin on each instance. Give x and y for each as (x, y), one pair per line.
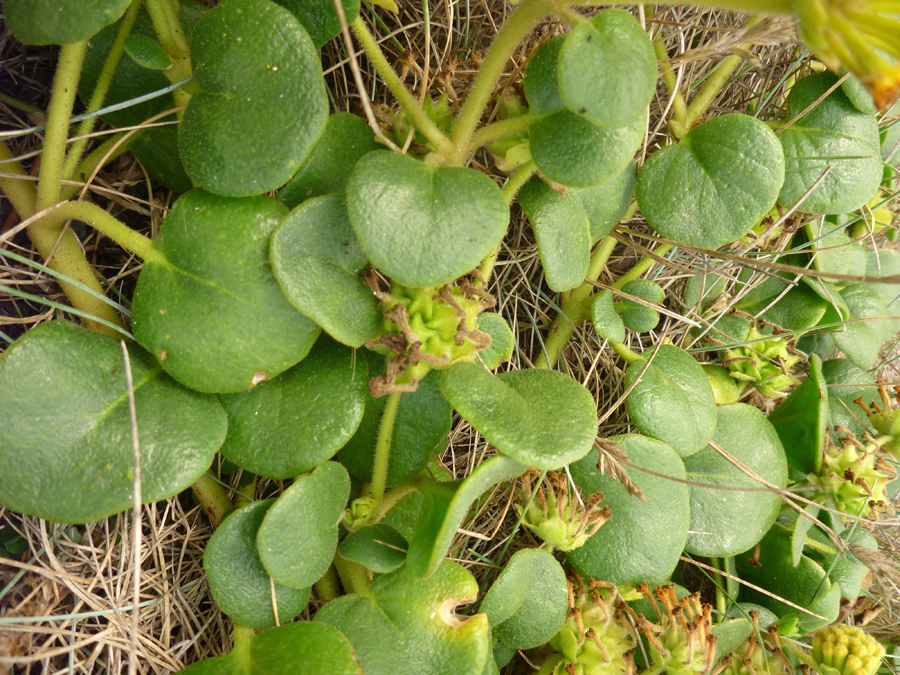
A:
(354, 577)
(20, 191)
(495, 130)
(778, 7)
(517, 180)
(383, 449)
(101, 89)
(679, 110)
(104, 153)
(212, 497)
(627, 355)
(395, 494)
(329, 586)
(243, 638)
(164, 14)
(65, 86)
(398, 89)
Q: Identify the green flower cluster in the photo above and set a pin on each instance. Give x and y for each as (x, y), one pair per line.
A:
(885, 421)
(845, 650)
(766, 363)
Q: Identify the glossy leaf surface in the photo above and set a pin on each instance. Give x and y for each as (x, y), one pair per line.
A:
(262, 103)
(58, 22)
(424, 225)
(211, 312)
(65, 426)
(379, 548)
(540, 418)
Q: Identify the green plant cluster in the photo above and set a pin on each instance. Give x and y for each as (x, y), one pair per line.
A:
(326, 335)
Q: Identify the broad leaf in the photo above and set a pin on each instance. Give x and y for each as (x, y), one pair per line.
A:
(540, 83)
(713, 186)
(59, 22)
(502, 339)
(881, 263)
(210, 310)
(605, 204)
(380, 548)
(672, 400)
(844, 568)
(830, 246)
(423, 225)
(261, 105)
(846, 383)
(528, 603)
(642, 541)
(607, 322)
(317, 260)
(540, 418)
(864, 333)
(802, 420)
(724, 520)
(299, 534)
(639, 317)
(237, 579)
(65, 427)
(320, 18)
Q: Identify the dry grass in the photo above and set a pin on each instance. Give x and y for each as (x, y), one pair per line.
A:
(65, 606)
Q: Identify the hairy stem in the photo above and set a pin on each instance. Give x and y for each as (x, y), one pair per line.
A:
(383, 449)
(167, 25)
(496, 130)
(18, 187)
(354, 577)
(329, 586)
(243, 637)
(213, 498)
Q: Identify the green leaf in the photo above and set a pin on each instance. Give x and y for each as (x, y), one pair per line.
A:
(607, 69)
(799, 309)
(541, 418)
(642, 540)
(502, 340)
(858, 95)
(344, 142)
(672, 400)
(833, 133)
(540, 82)
(237, 579)
(637, 317)
(605, 204)
(528, 603)
(59, 22)
(420, 430)
(424, 225)
(320, 18)
(147, 52)
(299, 420)
(863, 334)
(380, 548)
(445, 507)
(607, 322)
(65, 427)
(846, 383)
(408, 625)
(802, 420)
(725, 521)
(831, 247)
(317, 260)
(261, 104)
(845, 569)
(301, 648)
(802, 525)
(563, 233)
(713, 186)
(157, 150)
(211, 311)
(298, 536)
(884, 262)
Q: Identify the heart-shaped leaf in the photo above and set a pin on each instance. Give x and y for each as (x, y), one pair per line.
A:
(237, 579)
(607, 322)
(209, 308)
(424, 225)
(299, 420)
(420, 429)
(672, 400)
(59, 22)
(642, 540)
(639, 317)
(344, 142)
(380, 548)
(317, 260)
(320, 19)
(607, 69)
(400, 617)
(301, 648)
(836, 134)
(713, 186)
(502, 340)
(298, 536)
(562, 231)
(80, 467)
(802, 420)
(528, 603)
(262, 100)
(540, 418)
(727, 521)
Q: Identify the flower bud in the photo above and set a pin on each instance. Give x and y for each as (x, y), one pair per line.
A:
(845, 650)
(766, 362)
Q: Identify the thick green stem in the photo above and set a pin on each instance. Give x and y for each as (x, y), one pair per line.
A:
(65, 86)
(20, 191)
(513, 185)
(395, 494)
(627, 355)
(241, 650)
(104, 153)
(398, 89)
(679, 110)
(329, 586)
(167, 25)
(212, 497)
(383, 449)
(496, 130)
(354, 577)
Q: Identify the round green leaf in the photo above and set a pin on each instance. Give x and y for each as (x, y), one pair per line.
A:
(344, 142)
(424, 225)
(713, 186)
(607, 69)
(298, 536)
(65, 427)
(672, 400)
(210, 309)
(299, 420)
(317, 260)
(642, 540)
(320, 19)
(636, 316)
(801, 421)
(237, 579)
(572, 151)
(261, 104)
(380, 548)
(605, 204)
(563, 233)
(420, 430)
(846, 383)
(725, 521)
(833, 133)
(528, 603)
(540, 418)
(59, 22)
(861, 339)
(147, 52)
(540, 81)
(799, 309)
(502, 339)
(607, 322)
